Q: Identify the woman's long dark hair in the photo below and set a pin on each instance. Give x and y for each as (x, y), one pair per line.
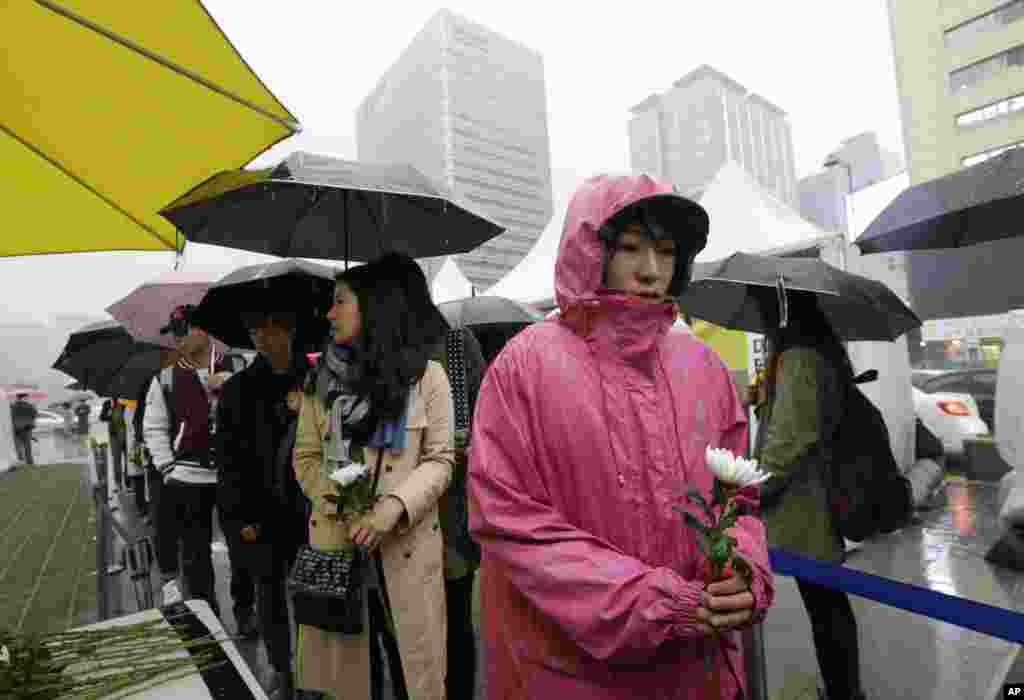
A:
(401, 330)
(808, 327)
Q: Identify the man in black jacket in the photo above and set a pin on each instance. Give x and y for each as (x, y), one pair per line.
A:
(263, 511)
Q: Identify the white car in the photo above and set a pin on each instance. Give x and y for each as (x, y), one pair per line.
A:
(47, 421)
(953, 418)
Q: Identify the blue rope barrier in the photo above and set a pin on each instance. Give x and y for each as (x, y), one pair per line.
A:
(980, 617)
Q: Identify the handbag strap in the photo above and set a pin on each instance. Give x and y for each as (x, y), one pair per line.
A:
(376, 473)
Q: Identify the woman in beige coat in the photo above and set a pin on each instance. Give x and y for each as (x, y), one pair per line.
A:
(375, 389)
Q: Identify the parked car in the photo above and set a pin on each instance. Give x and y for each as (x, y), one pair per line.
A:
(978, 383)
(47, 421)
(952, 417)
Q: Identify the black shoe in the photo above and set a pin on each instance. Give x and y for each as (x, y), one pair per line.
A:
(246, 623)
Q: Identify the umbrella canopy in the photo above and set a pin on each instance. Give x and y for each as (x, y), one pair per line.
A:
(97, 136)
(974, 205)
(474, 312)
(144, 311)
(298, 286)
(314, 206)
(104, 358)
(32, 393)
(742, 293)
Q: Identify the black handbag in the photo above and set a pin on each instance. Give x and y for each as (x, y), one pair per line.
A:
(327, 587)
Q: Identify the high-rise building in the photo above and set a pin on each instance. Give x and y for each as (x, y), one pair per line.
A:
(468, 107)
(857, 163)
(706, 119)
(960, 74)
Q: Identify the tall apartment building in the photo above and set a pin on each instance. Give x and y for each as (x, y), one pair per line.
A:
(468, 107)
(688, 133)
(960, 73)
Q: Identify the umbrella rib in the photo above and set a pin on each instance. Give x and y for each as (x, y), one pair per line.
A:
(289, 124)
(789, 287)
(60, 166)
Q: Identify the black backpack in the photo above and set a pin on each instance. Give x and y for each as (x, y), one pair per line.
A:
(867, 492)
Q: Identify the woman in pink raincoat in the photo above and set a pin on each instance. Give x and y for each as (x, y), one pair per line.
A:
(589, 430)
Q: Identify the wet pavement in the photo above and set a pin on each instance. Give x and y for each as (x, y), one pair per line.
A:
(905, 655)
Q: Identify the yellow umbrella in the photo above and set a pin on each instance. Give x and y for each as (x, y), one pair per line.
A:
(110, 111)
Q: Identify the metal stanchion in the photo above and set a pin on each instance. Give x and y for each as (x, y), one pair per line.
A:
(754, 660)
(753, 636)
(99, 490)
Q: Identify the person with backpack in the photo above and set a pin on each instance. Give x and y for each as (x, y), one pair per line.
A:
(179, 427)
(808, 371)
(462, 358)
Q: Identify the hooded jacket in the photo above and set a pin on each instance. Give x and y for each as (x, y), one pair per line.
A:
(589, 430)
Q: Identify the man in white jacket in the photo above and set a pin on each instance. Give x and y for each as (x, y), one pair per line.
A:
(178, 427)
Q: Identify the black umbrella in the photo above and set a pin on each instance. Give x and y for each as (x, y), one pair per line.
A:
(297, 286)
(974, 205)
(749, 292)
(494, 320)
(313, 206)
(474, 312)
(104, 358)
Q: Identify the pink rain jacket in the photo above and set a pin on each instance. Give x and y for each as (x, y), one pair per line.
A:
(588, 431)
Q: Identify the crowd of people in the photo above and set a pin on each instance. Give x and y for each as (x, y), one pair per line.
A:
(586, 433)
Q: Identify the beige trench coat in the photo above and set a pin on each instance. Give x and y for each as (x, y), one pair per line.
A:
(411, 556)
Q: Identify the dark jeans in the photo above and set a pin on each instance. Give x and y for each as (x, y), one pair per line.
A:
(835, 639)
(460, 681)
(119, 455)
(185, 526)
(23, 446)
(138, 484)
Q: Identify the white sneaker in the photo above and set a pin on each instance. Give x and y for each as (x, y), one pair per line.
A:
(172, 592)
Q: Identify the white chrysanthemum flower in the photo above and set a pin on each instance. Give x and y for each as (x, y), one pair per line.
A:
(349, 474)
(734, 471)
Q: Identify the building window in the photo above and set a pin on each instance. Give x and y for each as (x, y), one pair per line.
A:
(965, 34)
(990, 112)
(986, 155)
(976, 73)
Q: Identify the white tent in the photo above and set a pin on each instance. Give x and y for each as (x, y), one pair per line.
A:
(8, 455)
(532, 281)
(744, 217)
(450, 284)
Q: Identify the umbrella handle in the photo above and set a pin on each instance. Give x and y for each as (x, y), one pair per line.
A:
(783, 305)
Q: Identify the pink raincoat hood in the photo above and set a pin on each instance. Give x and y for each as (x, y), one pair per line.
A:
(589, 430)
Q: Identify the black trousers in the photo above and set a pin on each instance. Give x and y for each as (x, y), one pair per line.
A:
(23, 446)
(835, 639)
(460, 680)
(243, 583)
(185, 527)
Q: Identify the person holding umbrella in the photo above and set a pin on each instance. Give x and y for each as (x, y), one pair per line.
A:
(808, 367)
(378, 400)
(588, 433)
(262, 510)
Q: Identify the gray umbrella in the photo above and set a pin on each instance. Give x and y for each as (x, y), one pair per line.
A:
(473, 312)
(974, 205)
(749, 292)
(314, 206)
